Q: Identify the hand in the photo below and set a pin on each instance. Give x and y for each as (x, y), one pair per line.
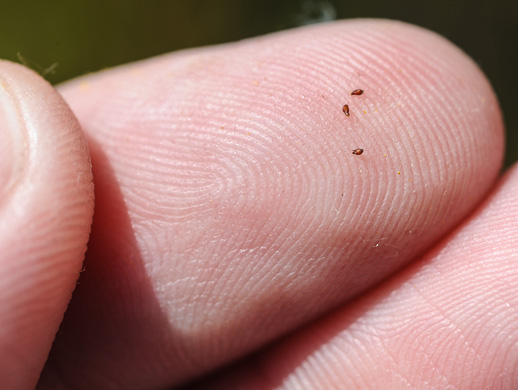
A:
(230, 212)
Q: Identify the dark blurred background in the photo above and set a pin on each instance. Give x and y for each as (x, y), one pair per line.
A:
(64, 38)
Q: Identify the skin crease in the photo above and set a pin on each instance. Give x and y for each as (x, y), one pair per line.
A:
(230, 209)
(46, 207)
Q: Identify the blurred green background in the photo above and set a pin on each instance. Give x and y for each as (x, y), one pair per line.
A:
(65, 38)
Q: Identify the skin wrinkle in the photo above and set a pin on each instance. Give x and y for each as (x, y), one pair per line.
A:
(450, 323)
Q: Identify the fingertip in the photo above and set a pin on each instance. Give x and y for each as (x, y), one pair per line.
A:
(46, 206)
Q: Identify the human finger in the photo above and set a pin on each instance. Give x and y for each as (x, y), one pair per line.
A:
(46, 206)
(231, 208)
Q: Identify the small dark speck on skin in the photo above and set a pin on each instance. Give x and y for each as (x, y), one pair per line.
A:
(345, 109)
(358, 151)
(357, 92)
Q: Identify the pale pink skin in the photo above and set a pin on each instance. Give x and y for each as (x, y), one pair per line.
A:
(46, 206)
(230, 211)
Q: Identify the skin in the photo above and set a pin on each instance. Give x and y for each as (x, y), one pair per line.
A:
(231, 217)
(46, 206)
